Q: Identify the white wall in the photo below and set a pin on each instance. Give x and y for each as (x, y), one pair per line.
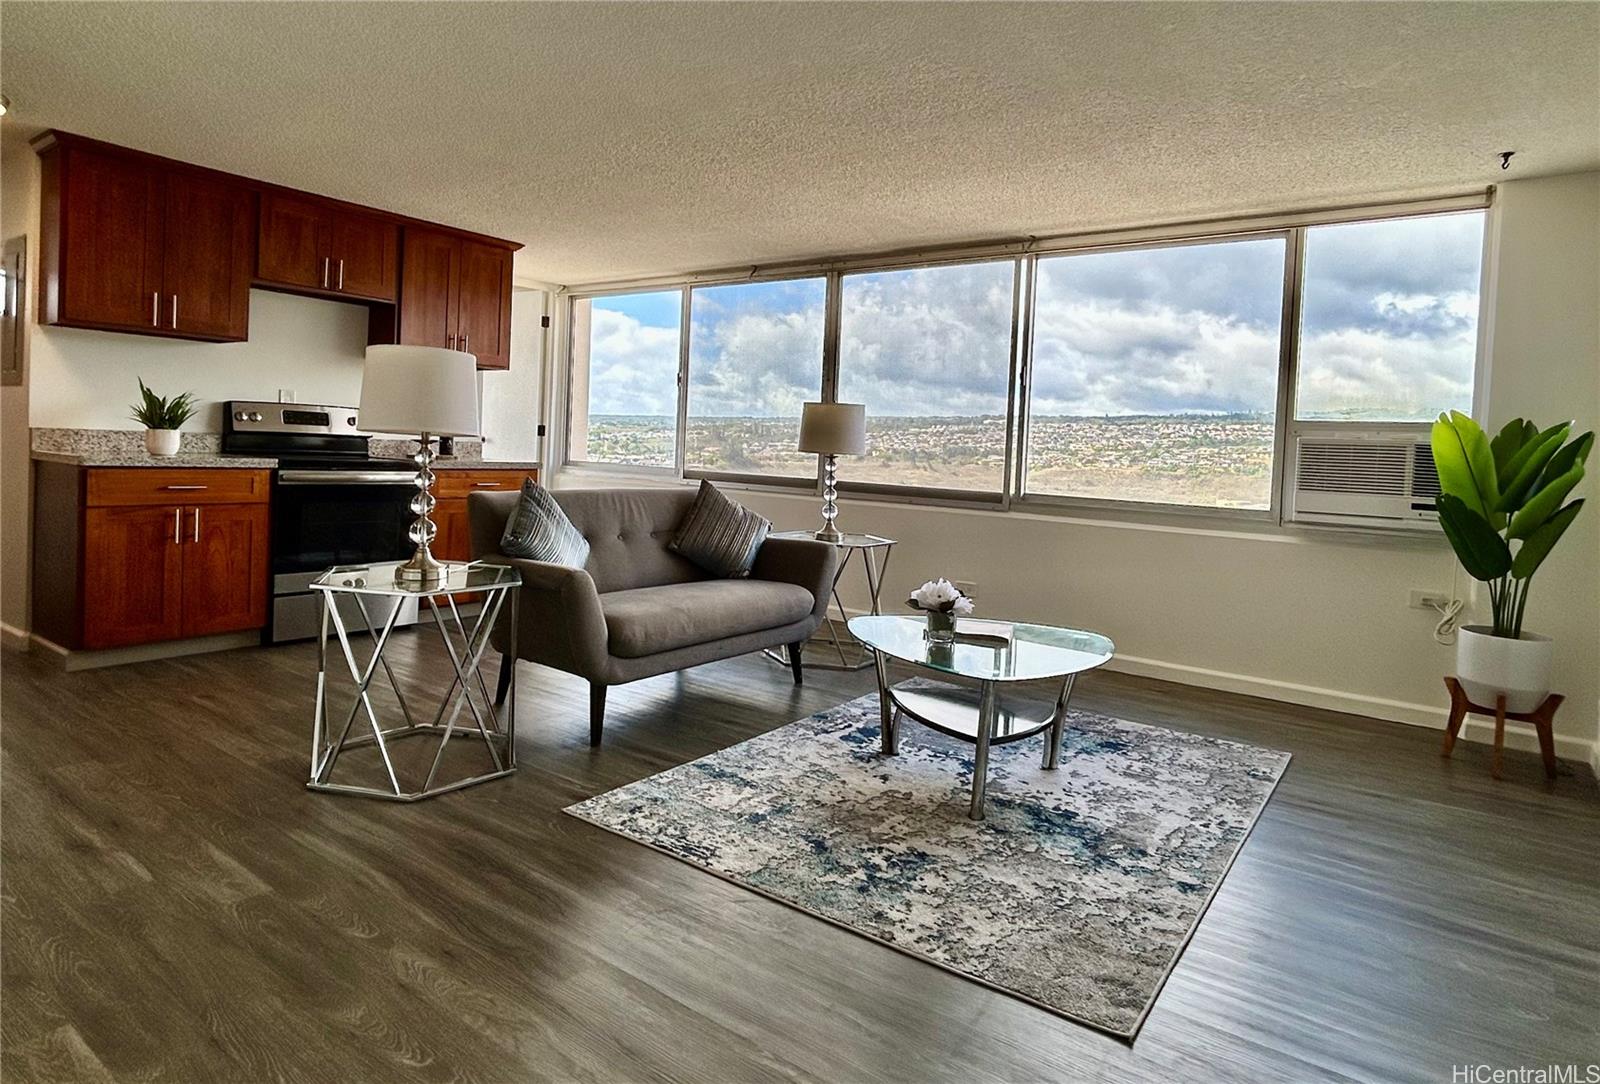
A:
(19, 214)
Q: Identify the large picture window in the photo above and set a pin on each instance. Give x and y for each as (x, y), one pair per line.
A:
(1389, 320)
(624, 391)
(1155, 374)
(928, 350)
(1144, 371)
(755, 355)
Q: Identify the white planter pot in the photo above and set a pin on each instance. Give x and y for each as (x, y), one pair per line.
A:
(1489, 665)
(162, 442)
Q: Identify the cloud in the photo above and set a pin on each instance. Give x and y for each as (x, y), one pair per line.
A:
(633, 367)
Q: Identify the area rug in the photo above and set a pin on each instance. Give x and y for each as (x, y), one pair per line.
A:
(1077, 892)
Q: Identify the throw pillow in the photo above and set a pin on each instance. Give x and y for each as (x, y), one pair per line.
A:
(540, 531)
(719, 534)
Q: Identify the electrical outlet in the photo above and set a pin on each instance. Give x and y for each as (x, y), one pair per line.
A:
(1429, 600)
(285, 395)
(967, 587)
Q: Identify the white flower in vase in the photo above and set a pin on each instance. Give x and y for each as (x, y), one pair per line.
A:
(940, 596)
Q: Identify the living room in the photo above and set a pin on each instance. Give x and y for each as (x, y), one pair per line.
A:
(1001, 541)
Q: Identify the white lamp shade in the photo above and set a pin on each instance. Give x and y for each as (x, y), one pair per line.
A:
(833, 428)
(419, 389)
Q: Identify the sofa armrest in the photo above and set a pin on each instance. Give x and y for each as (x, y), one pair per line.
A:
(560, 622)
(802, 561)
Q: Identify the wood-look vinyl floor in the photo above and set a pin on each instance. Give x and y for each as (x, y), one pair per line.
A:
(177, 907)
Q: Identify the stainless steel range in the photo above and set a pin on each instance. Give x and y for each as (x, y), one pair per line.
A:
(333, 503)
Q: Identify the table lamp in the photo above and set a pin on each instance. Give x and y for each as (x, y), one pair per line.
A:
(831, 429)
(428, 391)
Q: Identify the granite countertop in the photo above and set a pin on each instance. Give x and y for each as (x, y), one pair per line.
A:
(125, 448)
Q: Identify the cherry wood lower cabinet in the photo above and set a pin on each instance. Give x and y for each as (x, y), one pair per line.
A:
(136, 555)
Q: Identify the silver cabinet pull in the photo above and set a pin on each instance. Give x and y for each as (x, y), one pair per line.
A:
(466, 344)
(183, 487)
(487, 485)
(324, 272)
(174, 312)
(177, 526)
(155, 308)
(197, 524)
(341, 274)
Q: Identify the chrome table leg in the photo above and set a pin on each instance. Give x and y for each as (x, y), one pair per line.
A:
(988, 708)
(1058, 726)
(888, 714)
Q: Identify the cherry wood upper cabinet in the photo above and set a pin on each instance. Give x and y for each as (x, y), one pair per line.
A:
(312, 245)
(131, 244)
(206, 257)
(455, 292)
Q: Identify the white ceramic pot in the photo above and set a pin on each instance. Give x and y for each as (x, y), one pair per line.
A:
(162, 442)
(1488, 665)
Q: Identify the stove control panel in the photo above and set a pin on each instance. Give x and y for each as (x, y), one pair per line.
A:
(263, 417)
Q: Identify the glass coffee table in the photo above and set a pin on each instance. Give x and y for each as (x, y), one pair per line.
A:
(992, 653)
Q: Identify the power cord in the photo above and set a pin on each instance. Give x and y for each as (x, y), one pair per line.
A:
(1445, 631)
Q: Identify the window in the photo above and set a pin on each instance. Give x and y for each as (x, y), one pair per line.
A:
(624, 394)
(1389, 320)
(1157, 371)
(1155, 374)
(755, 355)
(928, 351)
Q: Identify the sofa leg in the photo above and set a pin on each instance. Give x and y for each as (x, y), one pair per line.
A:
(597, 711)
(508, 673)
(796, 653)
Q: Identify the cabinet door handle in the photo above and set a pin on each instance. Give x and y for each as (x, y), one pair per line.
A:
(341, 274)
(197, 524)
(174, 312)
(324, 272)
(487, 485)
(177, 526)
(466, 344)
(155, 309)
(183, 487)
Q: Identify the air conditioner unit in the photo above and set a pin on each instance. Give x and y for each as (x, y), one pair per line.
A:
(1382, 478)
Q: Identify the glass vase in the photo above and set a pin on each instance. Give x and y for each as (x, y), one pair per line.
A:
(941, 627)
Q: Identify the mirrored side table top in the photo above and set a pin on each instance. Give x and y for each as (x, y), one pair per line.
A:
(875, 551)
(367, 599)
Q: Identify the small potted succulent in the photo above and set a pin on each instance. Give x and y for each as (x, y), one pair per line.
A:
(1496, 493)
(943, 602)
(162, 418)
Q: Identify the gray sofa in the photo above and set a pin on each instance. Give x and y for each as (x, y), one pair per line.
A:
(637, 609)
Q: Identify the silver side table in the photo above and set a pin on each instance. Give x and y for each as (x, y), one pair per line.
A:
(351, 595)
(875, 552)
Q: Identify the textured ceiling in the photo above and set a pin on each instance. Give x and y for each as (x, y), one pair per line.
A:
(621, 139)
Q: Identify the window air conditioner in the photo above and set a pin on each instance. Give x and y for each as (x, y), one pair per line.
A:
(1382, 477)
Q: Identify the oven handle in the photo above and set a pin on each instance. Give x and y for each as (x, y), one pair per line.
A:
(344, 478)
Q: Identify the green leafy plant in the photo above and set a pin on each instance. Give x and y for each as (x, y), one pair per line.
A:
(154, 412)
(1505, 490)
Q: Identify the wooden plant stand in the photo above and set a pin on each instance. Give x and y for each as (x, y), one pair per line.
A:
(1542, 718)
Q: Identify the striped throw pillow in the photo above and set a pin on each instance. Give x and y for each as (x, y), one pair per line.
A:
(720, 535)
(540, 531)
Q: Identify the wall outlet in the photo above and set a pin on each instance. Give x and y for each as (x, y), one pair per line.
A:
(285, 395)
(1429, 600)
(967, 587)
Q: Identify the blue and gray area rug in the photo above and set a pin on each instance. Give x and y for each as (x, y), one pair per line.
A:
(1077, 893)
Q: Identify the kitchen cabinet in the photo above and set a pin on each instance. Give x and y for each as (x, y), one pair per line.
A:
(135, 555)
(312, 245)
(455, 292)
(131, 244)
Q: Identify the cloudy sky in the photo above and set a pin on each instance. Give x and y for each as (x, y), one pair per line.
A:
(1389, 331)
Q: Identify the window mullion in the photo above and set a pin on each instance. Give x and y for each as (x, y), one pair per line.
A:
(832, 307)
(680, 443)
(1022, 383)
(1288, 365)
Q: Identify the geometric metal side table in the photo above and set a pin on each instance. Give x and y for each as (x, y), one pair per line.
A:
(354, 592)
(868, 545)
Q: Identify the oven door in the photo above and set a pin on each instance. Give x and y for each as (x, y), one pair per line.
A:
(322, 518)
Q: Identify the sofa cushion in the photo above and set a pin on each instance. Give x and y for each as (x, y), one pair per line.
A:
(719, 534)
(540, 531)
(647, 620)
(628, 531)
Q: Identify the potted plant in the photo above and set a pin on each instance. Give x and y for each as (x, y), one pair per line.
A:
(1502, 512)
(162, 418)
(942, 601)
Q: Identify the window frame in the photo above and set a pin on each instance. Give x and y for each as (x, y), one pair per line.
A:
(1025, 255)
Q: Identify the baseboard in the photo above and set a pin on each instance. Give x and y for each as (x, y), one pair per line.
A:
(13, 638)
(1431, 716)
(170, 649)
